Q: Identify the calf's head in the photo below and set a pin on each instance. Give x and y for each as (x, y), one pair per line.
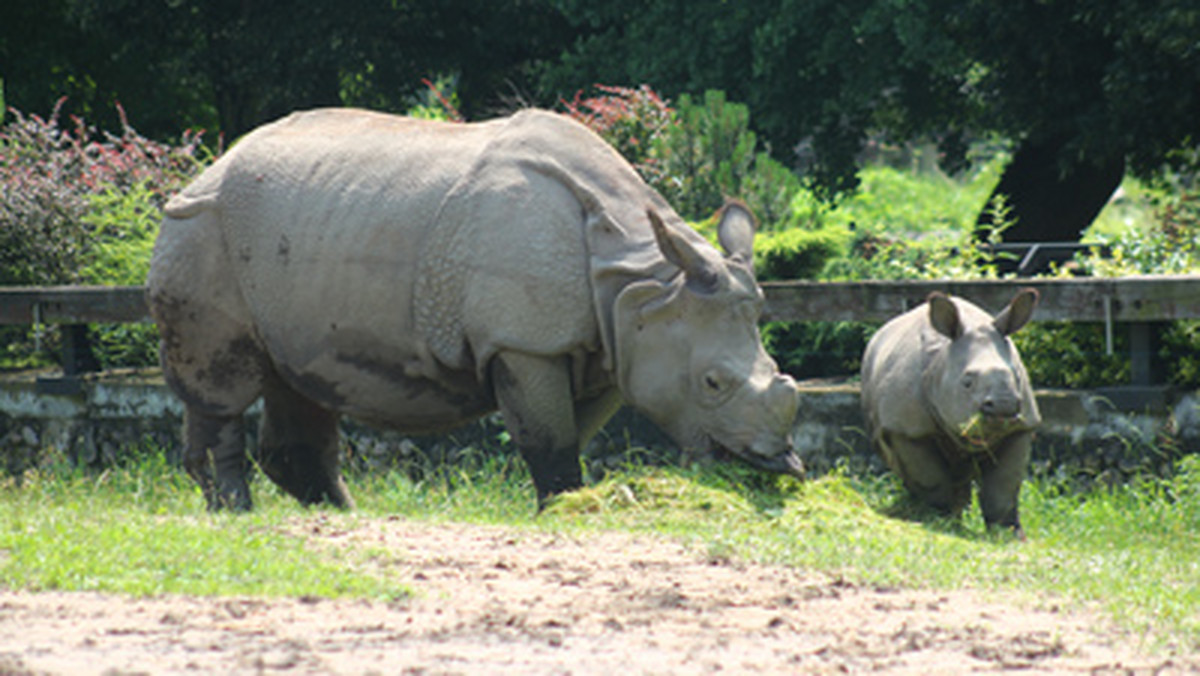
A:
(689, 354)
(976, 384)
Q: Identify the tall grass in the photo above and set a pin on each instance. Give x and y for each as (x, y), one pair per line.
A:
(1132, 552)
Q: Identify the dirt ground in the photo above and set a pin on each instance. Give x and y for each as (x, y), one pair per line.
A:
(497, 601)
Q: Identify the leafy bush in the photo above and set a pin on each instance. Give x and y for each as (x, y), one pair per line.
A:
(796, 253)
(78, 206)
(696, 154)
(632, 120)
(817, 349)
(1072, 355)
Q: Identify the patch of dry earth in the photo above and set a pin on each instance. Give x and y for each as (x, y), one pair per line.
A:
(499, 601)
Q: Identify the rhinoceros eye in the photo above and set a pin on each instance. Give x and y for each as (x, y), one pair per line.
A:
(716, 385)
(712, 384)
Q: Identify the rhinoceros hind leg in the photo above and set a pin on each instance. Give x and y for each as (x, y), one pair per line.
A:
(298, 447)
(534, 394)
(1000, 482)
(926, 474)
(215, 457)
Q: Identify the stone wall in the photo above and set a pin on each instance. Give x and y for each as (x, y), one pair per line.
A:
(93, 421)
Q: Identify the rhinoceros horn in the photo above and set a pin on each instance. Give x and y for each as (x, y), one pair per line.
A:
(698, 269)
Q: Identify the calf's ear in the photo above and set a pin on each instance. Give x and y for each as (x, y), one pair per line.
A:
(1017, 314)
(943, 315)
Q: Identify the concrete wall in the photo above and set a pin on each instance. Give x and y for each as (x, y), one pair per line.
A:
(1090, 436)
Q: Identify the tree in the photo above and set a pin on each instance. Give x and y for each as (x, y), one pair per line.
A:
(1081, 87)
(233, 64)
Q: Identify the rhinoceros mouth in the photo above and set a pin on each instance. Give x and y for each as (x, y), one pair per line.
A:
(786, 462)
(981, 432)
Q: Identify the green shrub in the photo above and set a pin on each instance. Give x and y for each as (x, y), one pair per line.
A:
(1072, 355)
(1181, 349)
(696, 155)
(796, 253)
(709, 154)
(817, 349)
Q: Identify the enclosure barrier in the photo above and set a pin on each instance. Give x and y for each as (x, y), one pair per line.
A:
(1140, 305)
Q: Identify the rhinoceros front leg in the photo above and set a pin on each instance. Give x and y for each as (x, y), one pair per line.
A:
(534, 394)
(1000, 482)
(925, 472)
(215, 457)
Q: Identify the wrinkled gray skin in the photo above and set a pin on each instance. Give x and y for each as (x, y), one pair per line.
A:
(418, 274)
(926, 375)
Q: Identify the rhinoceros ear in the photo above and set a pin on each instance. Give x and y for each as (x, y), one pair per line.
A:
(943, 315)
(735, 231)
(680, 251)
(1017, 314)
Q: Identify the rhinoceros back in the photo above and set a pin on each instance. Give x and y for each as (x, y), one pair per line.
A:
(384, 254)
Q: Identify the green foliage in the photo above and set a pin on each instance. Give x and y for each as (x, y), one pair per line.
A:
(123, 224)
(1111, 79)
(231, 67)
(710, 154)
(439, 101)
(796, 253)
(817, 349)
(1181, 350)
(696, 155)
(1072, 355)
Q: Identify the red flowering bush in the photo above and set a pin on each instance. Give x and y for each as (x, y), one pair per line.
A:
(78, 206)
(50, 175)
(632, 120)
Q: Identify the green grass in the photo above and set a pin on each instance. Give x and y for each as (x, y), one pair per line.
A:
(142, 530)
(1133, 552)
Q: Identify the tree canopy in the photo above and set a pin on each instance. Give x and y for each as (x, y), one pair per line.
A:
(230, 65)
(1083, 89)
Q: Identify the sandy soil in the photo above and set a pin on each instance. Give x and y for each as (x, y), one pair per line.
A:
(496, 601)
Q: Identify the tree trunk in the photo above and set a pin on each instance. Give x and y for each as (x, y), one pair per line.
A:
(1047, 201)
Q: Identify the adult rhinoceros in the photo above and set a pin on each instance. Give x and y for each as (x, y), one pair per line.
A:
(420, 274)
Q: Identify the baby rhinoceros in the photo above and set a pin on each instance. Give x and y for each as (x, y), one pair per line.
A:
(948, 403)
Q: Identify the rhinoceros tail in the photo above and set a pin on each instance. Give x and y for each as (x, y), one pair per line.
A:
(201, 195)
(184, 206)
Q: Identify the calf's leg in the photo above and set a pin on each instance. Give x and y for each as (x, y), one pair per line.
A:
(926, 474)
(1000, 482)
